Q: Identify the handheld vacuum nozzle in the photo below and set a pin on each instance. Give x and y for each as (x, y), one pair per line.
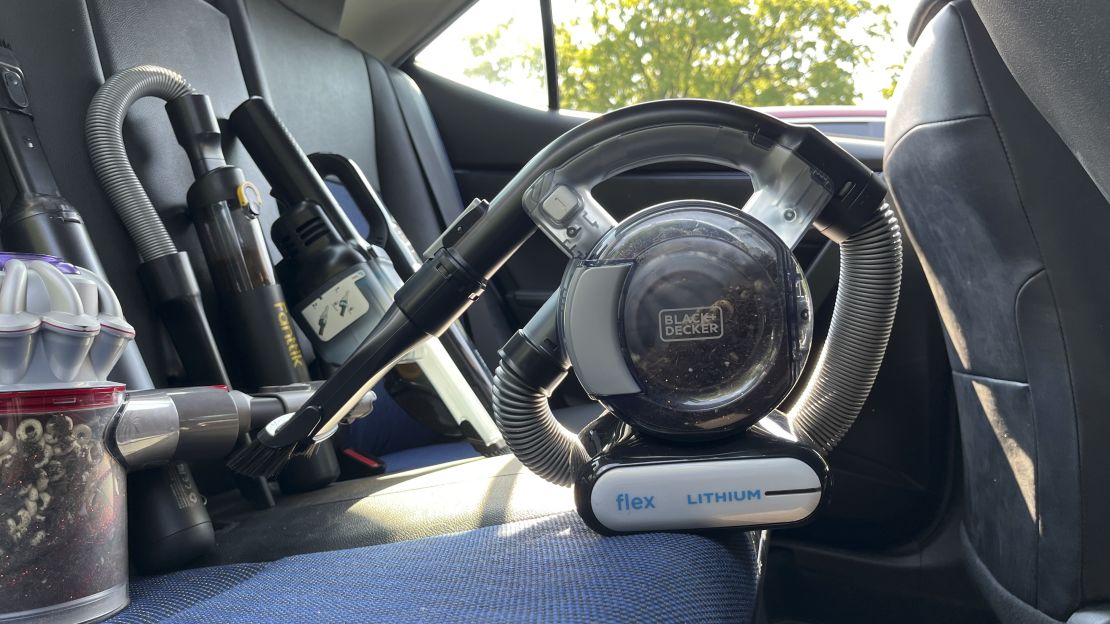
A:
(276, 444)
(205, 422)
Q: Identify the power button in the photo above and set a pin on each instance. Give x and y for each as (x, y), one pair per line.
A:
(13, 84)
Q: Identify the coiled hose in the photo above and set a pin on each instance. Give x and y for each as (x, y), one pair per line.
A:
(866, 300)
(104, 134)
(523, 415)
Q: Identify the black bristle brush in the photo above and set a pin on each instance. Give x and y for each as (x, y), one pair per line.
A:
(276, 444)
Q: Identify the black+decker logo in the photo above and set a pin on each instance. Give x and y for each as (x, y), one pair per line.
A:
(679, 324)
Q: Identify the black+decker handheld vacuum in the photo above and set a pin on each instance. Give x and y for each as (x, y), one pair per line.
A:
(689, 321)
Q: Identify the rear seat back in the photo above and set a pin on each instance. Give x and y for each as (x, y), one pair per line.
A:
(67, 47)
(321, 86)
(315, 80)
(332, 96)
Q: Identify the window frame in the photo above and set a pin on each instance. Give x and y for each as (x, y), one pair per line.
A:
(551, 64)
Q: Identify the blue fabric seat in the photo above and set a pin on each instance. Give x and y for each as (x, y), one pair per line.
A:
(551, 569)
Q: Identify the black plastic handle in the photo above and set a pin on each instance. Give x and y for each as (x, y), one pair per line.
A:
(369, 203)
(279, 157)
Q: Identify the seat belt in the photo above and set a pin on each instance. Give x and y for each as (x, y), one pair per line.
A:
(431, 155)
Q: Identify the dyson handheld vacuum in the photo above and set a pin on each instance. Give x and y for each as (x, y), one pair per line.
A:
(37, 219)
(68, 435)
(689, 321)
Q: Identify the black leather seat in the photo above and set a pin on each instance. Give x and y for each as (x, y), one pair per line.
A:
(1012, 233)
(67, 48)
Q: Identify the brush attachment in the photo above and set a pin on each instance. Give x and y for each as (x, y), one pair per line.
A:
(277, 443)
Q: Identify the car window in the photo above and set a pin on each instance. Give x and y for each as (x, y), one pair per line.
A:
(859, 129)
(496, 46)
(612, 53)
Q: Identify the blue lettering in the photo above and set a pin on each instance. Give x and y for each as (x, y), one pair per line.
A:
(728, 496)
(626, 502)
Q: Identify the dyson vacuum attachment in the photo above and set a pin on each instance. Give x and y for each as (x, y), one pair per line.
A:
(160, 427)
(341, 284)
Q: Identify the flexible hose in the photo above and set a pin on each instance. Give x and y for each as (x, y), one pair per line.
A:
(524, 417)
(866, 300)
(104, 134)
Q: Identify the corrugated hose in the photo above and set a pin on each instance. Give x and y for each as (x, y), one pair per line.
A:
(104, 134)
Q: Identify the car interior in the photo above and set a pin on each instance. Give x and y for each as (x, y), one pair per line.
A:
(937, 360)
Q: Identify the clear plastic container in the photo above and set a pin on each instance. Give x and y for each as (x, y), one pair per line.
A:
(63, 522)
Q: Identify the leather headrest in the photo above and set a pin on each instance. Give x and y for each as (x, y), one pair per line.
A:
(924, 13)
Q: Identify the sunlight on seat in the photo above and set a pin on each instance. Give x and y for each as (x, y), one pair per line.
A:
(1021, 465)
(465, 495)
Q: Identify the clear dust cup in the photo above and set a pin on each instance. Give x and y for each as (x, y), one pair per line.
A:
(63, 511)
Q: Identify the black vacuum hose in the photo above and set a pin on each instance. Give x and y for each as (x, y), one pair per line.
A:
(524, 417)
(866, 300)
(870, 280)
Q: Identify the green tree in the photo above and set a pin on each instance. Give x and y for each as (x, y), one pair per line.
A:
(895, 70)
(754, 52)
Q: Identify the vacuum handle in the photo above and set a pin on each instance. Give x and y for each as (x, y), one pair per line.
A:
(370, 204)
(278, 156)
